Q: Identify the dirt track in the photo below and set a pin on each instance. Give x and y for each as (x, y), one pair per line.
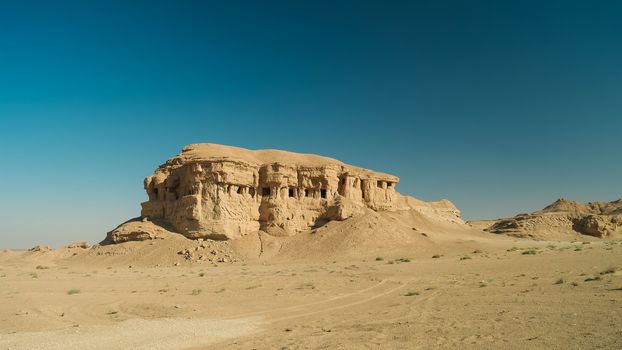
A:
(500, 297)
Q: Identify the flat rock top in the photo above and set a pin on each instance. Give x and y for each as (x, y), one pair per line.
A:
(210, 151)
(213, 152)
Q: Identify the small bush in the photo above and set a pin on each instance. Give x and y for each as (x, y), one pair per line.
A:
(201, 274)
(220, 290)
(609, 270)
(254, 286)
(309, 285)
(379, 258)
(574, 284)
(34, 275)
(196, 292)
(73, 291)
(561, 280)
(436, 256)
(411, 293)
(529, 252)
(466, 257)
(595, 278)
(41, 267)
(477, 251)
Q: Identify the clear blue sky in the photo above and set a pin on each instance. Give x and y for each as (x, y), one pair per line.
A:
(500, 106)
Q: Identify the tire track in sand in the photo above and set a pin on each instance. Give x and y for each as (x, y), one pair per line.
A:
(293, 307)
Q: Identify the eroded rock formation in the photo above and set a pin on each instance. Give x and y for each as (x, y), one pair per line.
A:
(222, 192)
(599, 219)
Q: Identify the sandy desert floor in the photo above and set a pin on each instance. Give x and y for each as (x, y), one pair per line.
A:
(510, 294)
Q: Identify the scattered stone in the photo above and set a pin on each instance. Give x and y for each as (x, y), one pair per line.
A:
(40, 248)
(79, 244)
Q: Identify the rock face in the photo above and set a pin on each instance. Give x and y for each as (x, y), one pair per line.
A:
(135, 230)
(599, 219)
(222, 192)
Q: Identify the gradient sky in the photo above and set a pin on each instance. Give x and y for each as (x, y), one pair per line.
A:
(499, 106)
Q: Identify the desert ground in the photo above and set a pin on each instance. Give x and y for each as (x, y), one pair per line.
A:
(267, 249)
(469, 291)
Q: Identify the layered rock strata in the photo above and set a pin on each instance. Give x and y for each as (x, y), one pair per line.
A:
(222, 192)
(599, 219)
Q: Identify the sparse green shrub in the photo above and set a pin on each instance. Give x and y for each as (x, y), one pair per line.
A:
(307, 285)
(196, 292)
(609, 270)
(411, 293)
(73, 291)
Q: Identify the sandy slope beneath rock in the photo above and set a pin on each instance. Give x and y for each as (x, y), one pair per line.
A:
(483, 292)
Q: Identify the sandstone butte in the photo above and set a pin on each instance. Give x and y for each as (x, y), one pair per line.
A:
(222, 192)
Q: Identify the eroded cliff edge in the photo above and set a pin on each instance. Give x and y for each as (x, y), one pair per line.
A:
(224, 192)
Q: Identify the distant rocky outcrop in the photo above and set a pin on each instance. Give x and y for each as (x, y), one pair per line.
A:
(223, 192)
(78, 245)
(598, 219)
(40, 248)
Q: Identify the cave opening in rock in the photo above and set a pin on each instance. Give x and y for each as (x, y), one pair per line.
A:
(323, 193)
(265, 191)
(379, 183)
(291, 192)
(240, 190)
(306, 192)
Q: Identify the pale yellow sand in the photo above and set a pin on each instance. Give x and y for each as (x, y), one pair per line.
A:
(499, 297)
